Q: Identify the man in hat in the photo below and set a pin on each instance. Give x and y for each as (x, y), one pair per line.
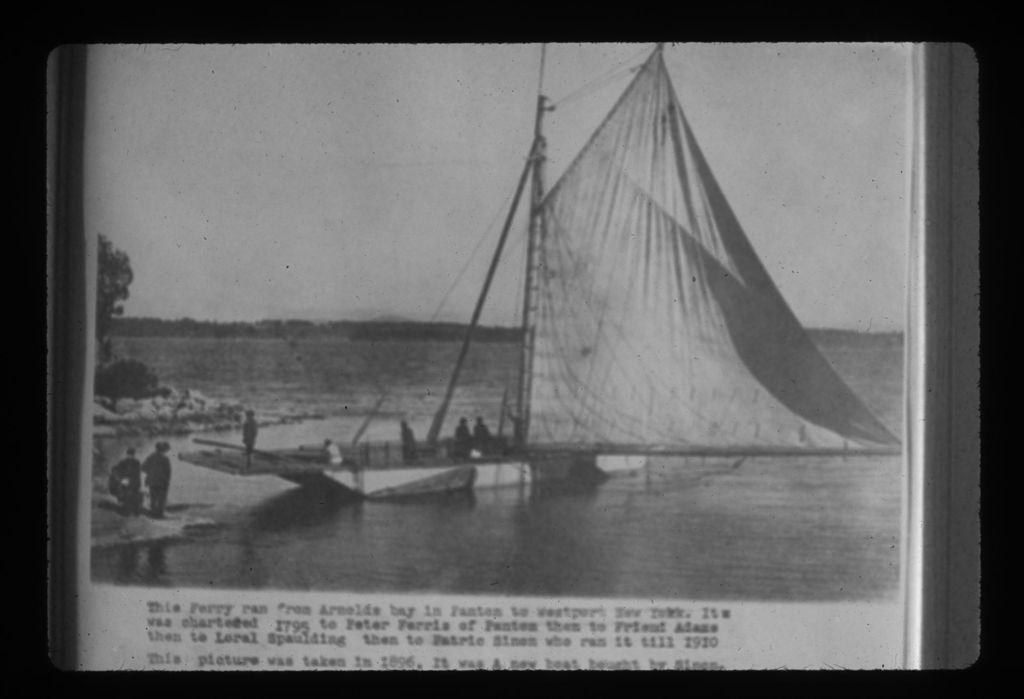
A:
(158, 478)
(481, 437)
(408, 443)
(463, 440)
(249, 431)
(125, 483)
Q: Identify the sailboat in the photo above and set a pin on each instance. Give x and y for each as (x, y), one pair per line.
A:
(649, 327)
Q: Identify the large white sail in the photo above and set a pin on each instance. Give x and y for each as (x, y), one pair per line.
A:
(656, 322)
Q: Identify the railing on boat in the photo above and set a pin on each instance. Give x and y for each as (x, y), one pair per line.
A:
(392, 454)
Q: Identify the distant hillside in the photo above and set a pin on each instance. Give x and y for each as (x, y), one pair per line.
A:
(407, 330)
(352, 330)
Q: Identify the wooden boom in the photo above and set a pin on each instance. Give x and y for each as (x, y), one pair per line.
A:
(236, 447)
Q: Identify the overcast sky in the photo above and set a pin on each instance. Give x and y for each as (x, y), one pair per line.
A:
(333, 182)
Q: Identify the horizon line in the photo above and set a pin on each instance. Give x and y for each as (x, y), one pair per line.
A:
(399, 319)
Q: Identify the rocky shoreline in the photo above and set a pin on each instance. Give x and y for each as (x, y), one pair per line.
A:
(176, 412)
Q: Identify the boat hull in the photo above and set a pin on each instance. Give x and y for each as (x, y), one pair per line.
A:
(381, 483)
(427, 476)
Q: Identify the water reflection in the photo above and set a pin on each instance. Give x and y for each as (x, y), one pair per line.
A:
(302, 508)
(460, 500)
(130, 571)
(755, 532)
(127, 563)
(156, 558)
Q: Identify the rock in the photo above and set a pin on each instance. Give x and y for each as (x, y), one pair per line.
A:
(125, 405)
(158, 402)
(165, 413)
(146, 412)
(102, 415)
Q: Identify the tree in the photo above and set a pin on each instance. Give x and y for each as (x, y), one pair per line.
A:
(114, 278)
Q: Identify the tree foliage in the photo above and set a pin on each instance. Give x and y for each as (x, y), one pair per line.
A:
(114, 278)
(126, 378)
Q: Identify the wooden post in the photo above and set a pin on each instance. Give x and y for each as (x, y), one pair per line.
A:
(533, 248)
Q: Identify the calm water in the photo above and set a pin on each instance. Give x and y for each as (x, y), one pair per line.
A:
(806, 529)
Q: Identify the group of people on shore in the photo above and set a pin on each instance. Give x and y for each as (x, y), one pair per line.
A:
(125, 481)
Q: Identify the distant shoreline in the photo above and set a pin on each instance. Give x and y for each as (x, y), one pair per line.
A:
(414, 331)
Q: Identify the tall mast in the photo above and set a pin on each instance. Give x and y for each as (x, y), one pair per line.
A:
(435, 426)
(536, 234)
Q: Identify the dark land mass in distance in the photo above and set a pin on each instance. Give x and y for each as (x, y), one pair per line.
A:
(404, 330)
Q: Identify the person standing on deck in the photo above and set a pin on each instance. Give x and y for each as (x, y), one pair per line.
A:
(249, 432)
(481, 436)
(332, 454)
(158, 478)
(408, 442)
(126, 483)
(463, 440)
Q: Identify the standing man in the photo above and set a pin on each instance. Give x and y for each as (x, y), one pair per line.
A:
(158, 478)
(481, 437)
(463, 440)
(125, 483)
(249, 431)
(408, 443)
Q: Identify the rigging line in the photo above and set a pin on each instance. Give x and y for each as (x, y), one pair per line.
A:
(582, 407)
(622, 67)
(675, 226)
(469, 260)
(587, 398)
(589, 401)
(594, 86)
(439, 416)
(514, 254)
(584, 414)
(616, 361)
(597, 132)
(605, 302)
(684, 232)
(540, 80)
